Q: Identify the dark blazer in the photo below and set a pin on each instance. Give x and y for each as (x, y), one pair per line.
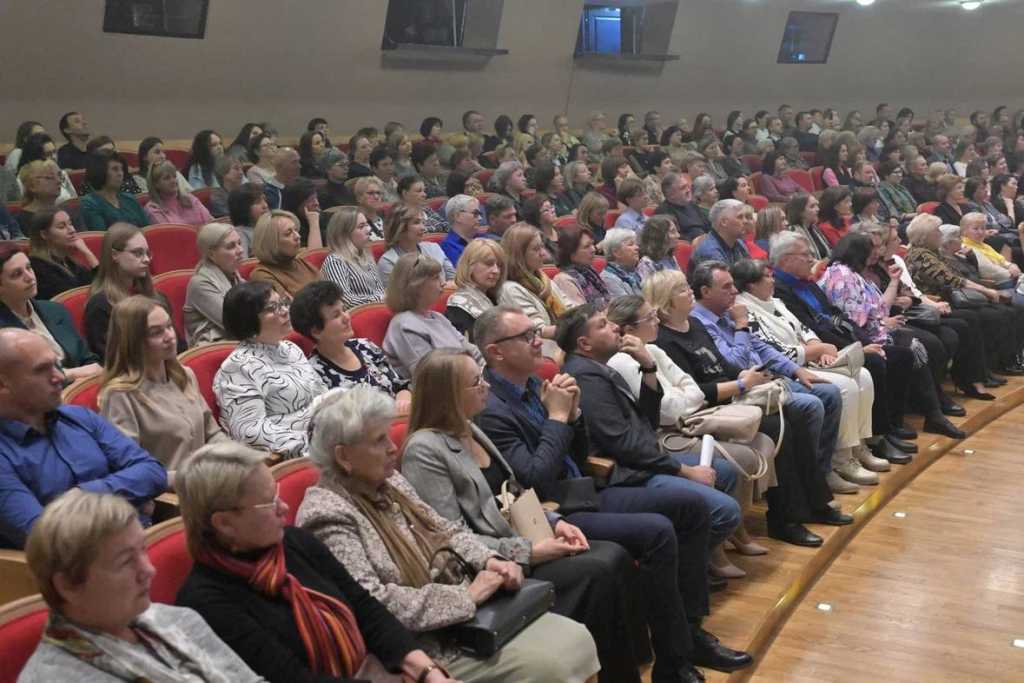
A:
(949, 215)
(53, 278)
(829, 334)
(620, 428)
(262, 630)
(689, 219)
(537, 456)
(58, 322)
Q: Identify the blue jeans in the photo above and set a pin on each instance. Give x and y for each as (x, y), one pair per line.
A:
(725, 511)
(820, 408)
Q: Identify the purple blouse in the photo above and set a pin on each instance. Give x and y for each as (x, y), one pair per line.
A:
(859, 299)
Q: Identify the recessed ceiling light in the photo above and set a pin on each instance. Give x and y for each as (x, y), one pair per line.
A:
(865, 3)
(969, 4)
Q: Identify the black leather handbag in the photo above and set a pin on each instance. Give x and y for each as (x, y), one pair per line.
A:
(577, 494)
(501, 618)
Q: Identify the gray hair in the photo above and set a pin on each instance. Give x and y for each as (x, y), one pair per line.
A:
(668, 181)
(782, 244)
(950, 233)
(703, 275)
(868, 134)
(920, 227)
(503, 173)
(489, 327)
(720, 207)
(972, 216)
(342, 417)
(456, 204)
(871, 228)
(570, 170)
(615, 238)
(496, 203)
(703, 184)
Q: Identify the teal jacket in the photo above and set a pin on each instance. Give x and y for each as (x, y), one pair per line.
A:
(58, 322)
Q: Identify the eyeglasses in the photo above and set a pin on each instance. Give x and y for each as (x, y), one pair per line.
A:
(280, 306)
(272, 505)
(650, 317)
(527, 336)
(137, 253)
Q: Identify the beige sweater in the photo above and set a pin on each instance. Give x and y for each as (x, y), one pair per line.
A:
(165, 421)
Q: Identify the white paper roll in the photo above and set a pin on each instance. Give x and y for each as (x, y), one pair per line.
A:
(707, 450)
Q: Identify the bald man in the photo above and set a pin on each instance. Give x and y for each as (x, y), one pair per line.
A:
(47, 448)
(286, 169)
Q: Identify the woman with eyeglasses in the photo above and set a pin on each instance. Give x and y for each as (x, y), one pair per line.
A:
(262, 149)
(19, 307)
(370, 200)
(123, 271)
(274, 593)
(266, 387)
(147, 393)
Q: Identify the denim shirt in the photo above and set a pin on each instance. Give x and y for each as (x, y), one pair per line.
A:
(742, 349)
(80, 449)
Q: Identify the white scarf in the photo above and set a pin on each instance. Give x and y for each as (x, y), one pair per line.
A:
(778, 324)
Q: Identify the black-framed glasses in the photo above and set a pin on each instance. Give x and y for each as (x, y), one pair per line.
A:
(526, 335)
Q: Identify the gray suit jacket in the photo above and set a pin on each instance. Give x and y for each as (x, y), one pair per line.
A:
(446, 477)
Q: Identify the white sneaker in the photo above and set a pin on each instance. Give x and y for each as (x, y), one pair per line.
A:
(840, 485)
(851, 471)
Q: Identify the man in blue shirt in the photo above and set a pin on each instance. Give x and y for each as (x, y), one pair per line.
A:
(813, 399)
(631, 193)
(730, 220)
(47, 448)
(463, 213)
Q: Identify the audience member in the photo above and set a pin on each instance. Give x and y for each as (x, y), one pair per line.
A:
(678, 204)
(230, 176)
(335, 191)
(41, 180)
(107, 205)
(528, 287)
(350, 264)
(167, 203)
(266, 387)
(220, 255)
(276, 244)
(501, 215)
(299, 197)
(58, 254)
(591, 214)
(262, 151)
(239, 147)
(426, 163)
(415, 329)
(509, 180)
(478, 280)
(539, 212)
(835, 208)
(776, 186)
(286, 171)
(578, 281)
(620, 274)
(657, 246)
(403, 234)
(463, 214)
(731, 220)
(207, 147)
(75, 129)
(246, 206)
(25, 130)
(412, 191)
(312, 146)
(40, 147)
(49, 448)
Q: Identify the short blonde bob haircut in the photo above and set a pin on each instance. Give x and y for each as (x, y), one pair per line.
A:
(663, 286)
(68, 536)
(211, 236)
(921, 228)
(437, 402)
(212, 479)
(480, 250)
(407, 277)
(266, 242)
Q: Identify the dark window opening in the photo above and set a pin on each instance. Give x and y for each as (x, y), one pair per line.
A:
(610, 30)
(425, 22)
(166, 18)
(807, 38)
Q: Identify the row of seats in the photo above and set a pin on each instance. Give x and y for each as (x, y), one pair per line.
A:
(203, 195)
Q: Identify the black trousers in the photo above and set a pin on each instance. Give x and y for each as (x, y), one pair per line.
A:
(595, 589)
(802, 490)
(908, 385)
(1003, 329)
(880, 417)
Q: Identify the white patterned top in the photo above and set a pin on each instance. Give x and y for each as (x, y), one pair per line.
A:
(265, 393)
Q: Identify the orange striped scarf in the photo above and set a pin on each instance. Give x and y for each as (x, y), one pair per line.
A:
(328, 628)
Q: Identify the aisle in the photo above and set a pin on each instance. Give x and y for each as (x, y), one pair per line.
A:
(935, 595)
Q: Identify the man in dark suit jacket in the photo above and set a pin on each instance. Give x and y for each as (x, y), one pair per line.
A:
(539, 429)
(678, 191)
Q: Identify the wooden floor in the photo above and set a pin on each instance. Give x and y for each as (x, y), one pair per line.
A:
(925, 597)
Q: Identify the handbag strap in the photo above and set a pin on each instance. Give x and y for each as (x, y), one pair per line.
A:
(465, 566)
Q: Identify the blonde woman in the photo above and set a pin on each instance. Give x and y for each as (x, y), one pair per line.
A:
(41, 180)
(222, 251)
(123, 271)
(591, 212)
(370, 199)
(167, 203)
(276, 244)
(147, 393)
(350, 264)
(403, 233)
(527, 287)
(478, 278)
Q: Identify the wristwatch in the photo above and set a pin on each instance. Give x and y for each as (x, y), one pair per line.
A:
(647, 371)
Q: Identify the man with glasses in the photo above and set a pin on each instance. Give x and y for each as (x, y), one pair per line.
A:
(463, 213)
(47, 448)
(541, 431)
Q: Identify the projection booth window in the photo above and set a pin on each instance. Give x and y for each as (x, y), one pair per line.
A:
(807, 38)
(165, 18)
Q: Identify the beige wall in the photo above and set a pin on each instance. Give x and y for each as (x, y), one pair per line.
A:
(288, 61)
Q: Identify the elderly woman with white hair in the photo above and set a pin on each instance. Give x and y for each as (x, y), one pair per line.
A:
(273, 592)
(510, 180)
(376, 526)
(991, 264)
(88, 556)
(773, 322)
(463, 213)
(221, 250)
(623, 255)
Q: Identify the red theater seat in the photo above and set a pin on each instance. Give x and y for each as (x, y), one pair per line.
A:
(168, 551)
(173, 247)
(683, 252)
(174, 286)
(84, 392)
(315, 257)
(802, 178)
(370, 321)
(294, 477)
(21, 627)
(246, 267)
(205, 361)
(74, 300)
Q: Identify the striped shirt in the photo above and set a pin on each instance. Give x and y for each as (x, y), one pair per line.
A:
(359, 284)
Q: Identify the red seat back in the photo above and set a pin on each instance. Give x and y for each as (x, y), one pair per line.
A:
(142, 199)
(84, 393)
(810, 158)
(801, 178)
(816, 178)
(437, 204)
(21, 627)
(205, 360)
(370, 321)
(293, 478)
(927, 207)
(435, 237)
(683, 252)
(77, 177)
(441, 305)
(610, 217)
(548, 369)
(302, 342)
(168, 551)
(246, 267)
(173, 247)
(550, 270)
(599, 263)
(757, 201)
(755, 181)
(649, 211)
(565, 222)
(484, 176)
(398, 431)
(94, 240)
(178, 157)
(203, 195)
(74, 300)
(315, 257)
(174, 286)
(378, 248)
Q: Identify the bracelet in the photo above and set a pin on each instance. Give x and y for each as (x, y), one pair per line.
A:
(742, 386)
(434, 666)
(647, 371)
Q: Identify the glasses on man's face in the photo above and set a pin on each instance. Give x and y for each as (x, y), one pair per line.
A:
(272, 505)
(280, 306)
(527, 336)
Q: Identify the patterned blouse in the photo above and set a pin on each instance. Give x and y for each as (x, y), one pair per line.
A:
(359, 284)
(649, 266)
(376, 371)
(933, 275)
(265, 393)
(433, 221)
(860, 300)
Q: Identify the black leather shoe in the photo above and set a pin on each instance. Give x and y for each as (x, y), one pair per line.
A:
(709, 653)
(901, 444)
(796, 534)
(971, 392)
(717, 583)
(689, 674)
(902, 432)
(886, 450)
(952, 409)
(940, 425)
(832, 517)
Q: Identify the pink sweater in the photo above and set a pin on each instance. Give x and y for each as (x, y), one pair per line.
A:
(173, 212)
